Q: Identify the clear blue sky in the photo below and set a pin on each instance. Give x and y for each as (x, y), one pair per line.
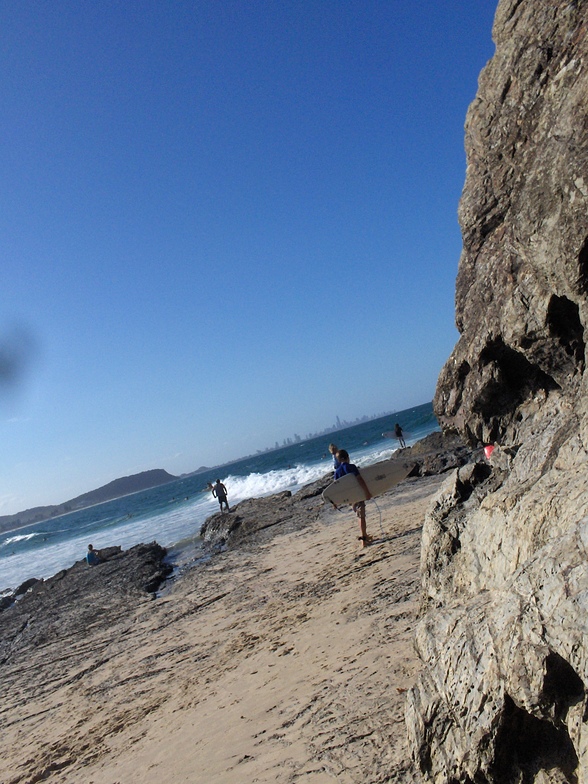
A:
(222, 222)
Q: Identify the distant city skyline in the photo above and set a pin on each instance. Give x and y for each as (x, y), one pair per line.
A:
(338, 425)
(297, 439)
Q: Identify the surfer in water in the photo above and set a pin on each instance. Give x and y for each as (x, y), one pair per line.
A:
(399, 435)
(219, 491)
(345, 467)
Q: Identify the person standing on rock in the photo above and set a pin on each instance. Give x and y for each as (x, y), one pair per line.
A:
(345, 467)
(219, 491)
(399, 435)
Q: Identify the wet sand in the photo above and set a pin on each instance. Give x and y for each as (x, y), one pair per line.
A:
(280, 661)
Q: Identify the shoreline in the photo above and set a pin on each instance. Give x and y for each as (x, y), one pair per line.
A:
(286, 656)
(435, 453)
(166, 512)
(189, 475)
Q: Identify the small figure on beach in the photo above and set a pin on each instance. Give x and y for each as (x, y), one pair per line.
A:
(219, 491)
(399, 435)
(92, 556)
(333, 450)
(345, 467)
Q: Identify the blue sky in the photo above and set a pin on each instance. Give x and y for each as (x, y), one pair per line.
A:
(222, 222)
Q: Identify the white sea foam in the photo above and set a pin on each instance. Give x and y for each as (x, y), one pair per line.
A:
(19, 538)
(371, 456)
(257, 485)
(19, 567)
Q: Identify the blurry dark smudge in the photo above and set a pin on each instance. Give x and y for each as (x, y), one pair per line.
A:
(18, 347)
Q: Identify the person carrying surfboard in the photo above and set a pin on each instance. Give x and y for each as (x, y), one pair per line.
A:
(345, 467)
(333, 450)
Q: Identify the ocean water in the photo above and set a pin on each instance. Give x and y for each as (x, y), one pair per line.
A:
(172, 514)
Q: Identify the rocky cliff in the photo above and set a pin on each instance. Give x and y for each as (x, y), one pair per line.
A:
(503, 637)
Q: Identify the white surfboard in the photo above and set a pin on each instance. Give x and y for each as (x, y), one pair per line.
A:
(379, 477)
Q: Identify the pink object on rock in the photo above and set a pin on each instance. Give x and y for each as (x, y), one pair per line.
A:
(488, 451)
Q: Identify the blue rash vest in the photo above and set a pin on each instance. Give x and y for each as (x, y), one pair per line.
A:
(346, 468)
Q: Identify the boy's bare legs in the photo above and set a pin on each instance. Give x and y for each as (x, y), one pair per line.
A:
(360, 512)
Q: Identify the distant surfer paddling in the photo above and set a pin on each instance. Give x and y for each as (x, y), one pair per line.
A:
(219, 491)
(345, 467)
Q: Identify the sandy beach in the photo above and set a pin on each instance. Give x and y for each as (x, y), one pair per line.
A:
(283, 660)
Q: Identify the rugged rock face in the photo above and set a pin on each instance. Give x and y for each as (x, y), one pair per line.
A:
(523, 276)
(435, 454)
(504, 637)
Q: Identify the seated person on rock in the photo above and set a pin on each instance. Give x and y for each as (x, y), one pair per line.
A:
(92, 556)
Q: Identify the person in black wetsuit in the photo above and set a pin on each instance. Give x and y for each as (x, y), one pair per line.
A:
(399, 435)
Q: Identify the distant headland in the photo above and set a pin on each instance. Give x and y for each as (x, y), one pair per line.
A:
(115, 489)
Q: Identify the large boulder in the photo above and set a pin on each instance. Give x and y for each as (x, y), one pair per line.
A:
(259, 518)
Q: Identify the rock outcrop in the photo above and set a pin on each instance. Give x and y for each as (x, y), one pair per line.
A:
(80, 598)
(503, 637)
(436, 454)
(256, 519)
